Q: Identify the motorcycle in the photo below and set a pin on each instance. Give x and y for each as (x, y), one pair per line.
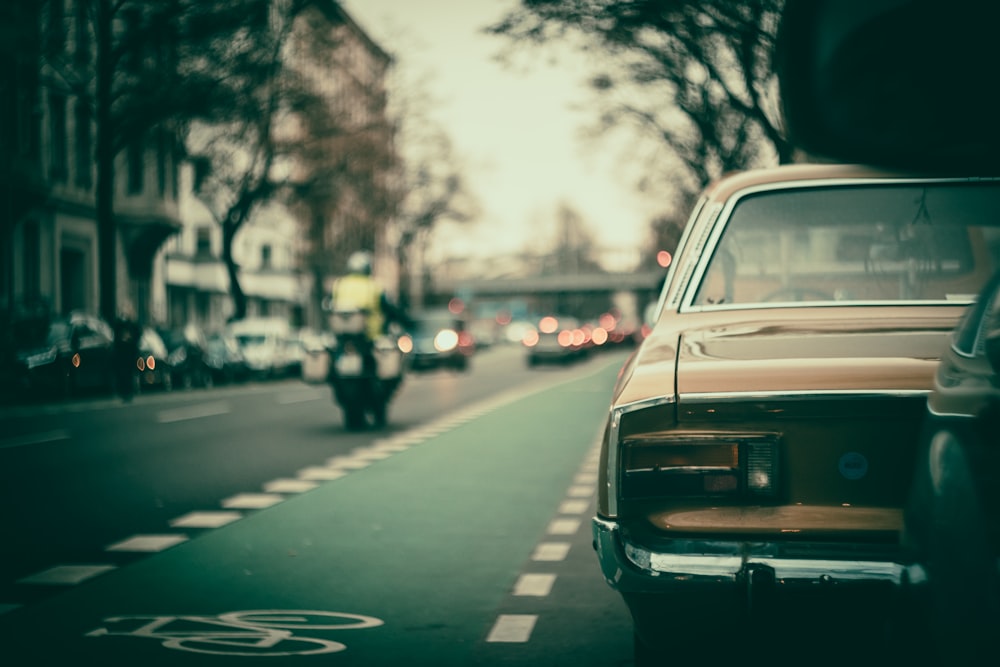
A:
(364, 375)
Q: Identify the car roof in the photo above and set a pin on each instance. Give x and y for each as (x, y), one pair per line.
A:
(733, 182)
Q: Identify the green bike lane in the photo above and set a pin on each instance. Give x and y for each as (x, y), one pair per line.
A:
(405, 559)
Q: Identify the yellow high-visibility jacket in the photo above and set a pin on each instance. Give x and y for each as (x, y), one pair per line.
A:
(363, 293)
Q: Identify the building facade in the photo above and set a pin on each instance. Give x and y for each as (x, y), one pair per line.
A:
(51, 254)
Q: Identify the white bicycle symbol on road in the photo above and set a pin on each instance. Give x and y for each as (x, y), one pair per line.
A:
(240, 633)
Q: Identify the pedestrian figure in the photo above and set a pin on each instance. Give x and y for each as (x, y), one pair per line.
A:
(126, 352)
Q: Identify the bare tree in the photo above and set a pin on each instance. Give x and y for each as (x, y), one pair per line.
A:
(694, 74)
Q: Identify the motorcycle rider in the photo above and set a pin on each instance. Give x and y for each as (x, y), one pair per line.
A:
(358, 290)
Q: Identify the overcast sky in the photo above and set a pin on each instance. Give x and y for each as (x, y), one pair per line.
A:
(516, 132)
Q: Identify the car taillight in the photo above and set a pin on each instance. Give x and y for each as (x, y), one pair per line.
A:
(677, 466)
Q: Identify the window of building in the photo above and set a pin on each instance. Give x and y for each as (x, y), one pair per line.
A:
(203, 242)
(57, 132)
(162, 147)
(32, 273)
(84, 150)
(265, 256)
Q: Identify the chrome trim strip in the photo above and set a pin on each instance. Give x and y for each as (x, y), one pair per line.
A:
(630, 567)
(710, 308)
(614, 444)
(803, 395)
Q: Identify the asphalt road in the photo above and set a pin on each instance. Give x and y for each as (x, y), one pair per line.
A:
(228, 525)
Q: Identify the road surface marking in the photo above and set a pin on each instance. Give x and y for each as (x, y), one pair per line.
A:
(564, 526)
(534, 585)
(574, 506)
(347, 462)
(289, 486)
(35, 439)
(551, 551)
(252, 501)
(512, 628)
(66, 574)
(205, 519)
(320, 474)
(147, 543)
(587, 479)
(192, 412)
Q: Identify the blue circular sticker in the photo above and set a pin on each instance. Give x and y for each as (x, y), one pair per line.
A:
(853, 465)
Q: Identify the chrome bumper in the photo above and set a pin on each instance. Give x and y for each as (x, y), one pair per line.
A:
(631, 568)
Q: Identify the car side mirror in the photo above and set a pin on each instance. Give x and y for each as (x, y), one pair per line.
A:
(891, 83)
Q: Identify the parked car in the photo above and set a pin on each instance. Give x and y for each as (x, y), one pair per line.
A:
(555, 339)
(761, 440)
(440, 340)
(225, 359)
(154, 370)
(263, 343)
(187, 354)
(952, 520)
(63, 356)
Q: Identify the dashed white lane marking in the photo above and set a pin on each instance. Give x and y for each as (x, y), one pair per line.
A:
(581, 491)
(147, 543)
(252, 501)
(289, 486)
(512, 628)
(205, 519)
(563, 526)
(320, 474)
(35, 439)
(551, 551)
(587, 479)
(347, 462)
(62, 575)
(574, 506)
(192, 412)
(534, 585)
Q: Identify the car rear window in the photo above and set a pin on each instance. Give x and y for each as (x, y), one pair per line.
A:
(848, 244)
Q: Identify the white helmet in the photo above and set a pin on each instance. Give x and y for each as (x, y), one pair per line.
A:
(360, 262)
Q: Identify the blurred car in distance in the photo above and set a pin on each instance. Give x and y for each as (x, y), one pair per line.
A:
(225, 359)
(760, 441)
(154, 371)
(439, 340)
(63, 356)
(263, 344)
(187, 354)
(555, 339)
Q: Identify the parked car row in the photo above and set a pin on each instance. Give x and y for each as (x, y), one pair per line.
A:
(778, 448)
